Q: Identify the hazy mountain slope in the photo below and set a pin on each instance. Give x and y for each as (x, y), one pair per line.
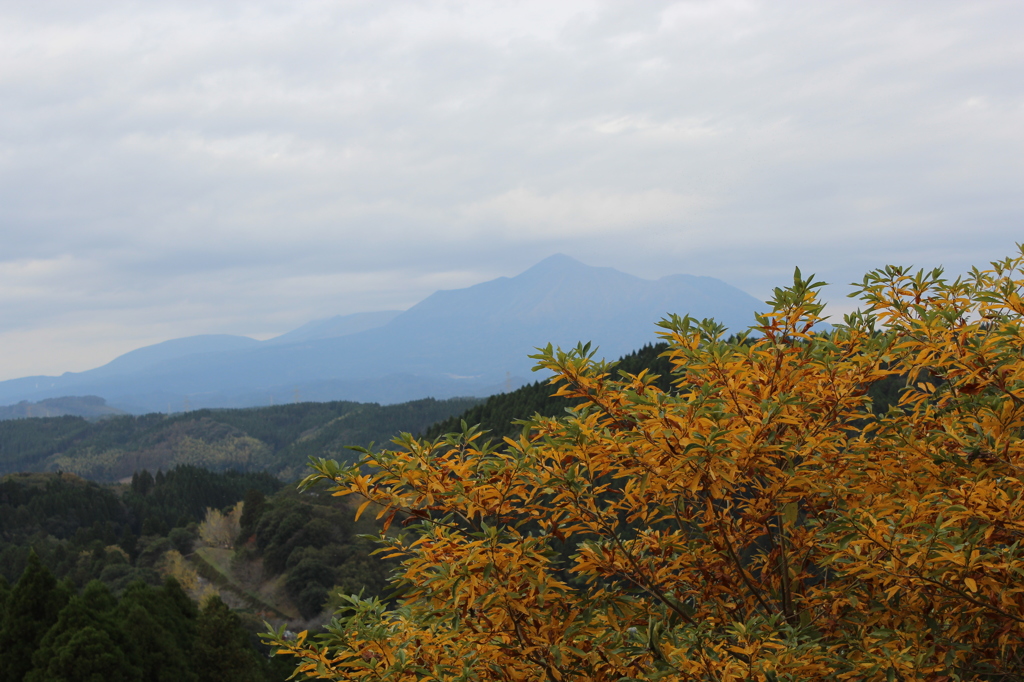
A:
(149, 356)
(124, 370)
(462, 342)
(339, 325)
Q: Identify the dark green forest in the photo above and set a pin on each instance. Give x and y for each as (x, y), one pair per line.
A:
(84, 531)
(50, 631)
(103, 556)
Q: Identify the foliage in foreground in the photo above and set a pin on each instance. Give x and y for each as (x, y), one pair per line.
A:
(756, 522)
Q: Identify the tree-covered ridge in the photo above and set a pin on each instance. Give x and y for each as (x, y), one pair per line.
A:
(499, 413)
(278, 439)
(87, 406)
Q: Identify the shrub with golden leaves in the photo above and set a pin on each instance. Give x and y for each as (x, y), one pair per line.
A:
(758, 522)
(219, 529)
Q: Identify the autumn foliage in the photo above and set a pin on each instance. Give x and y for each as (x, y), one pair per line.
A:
(759, 521)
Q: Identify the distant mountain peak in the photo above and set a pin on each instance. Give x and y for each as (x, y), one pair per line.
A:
(558, 262)
(562, 268)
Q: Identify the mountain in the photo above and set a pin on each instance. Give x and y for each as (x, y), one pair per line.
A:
(149, 356)
(463, 342)
(339, 325)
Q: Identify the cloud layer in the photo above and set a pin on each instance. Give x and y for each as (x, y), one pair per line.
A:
(191, 167)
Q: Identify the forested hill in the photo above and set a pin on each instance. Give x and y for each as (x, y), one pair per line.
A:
(497, 415)
(278, 439)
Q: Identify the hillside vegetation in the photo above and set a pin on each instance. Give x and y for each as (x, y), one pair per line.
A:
(237, 541)
(241, 545)
(84, 531)
(278, 439)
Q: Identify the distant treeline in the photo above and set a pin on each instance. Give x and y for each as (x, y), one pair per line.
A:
(278, 439)
(88, 406)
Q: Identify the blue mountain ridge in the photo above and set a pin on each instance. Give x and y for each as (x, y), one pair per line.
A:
(471, 341)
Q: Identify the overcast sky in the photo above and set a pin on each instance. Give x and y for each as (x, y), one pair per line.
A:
(174, 168)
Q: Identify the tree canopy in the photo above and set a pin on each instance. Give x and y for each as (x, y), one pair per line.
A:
(758, 520)
(48, 633)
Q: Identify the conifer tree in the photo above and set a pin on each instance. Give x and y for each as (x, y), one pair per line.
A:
(87, 643)
(32, 609)
(159, 657)
(5, 596)
(162, 623)
(86, 654)
(222, 652)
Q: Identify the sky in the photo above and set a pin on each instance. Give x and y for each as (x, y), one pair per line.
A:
(194, 167)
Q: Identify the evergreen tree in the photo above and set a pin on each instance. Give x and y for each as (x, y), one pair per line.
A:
(88, 654)
(5, 596)
(32, 609)
(142, 482)
(87, 644)
(162, 623)
(255, 502)
(222, 651)
(159, 656)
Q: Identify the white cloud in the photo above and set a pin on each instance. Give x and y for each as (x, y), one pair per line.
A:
(528, 216)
